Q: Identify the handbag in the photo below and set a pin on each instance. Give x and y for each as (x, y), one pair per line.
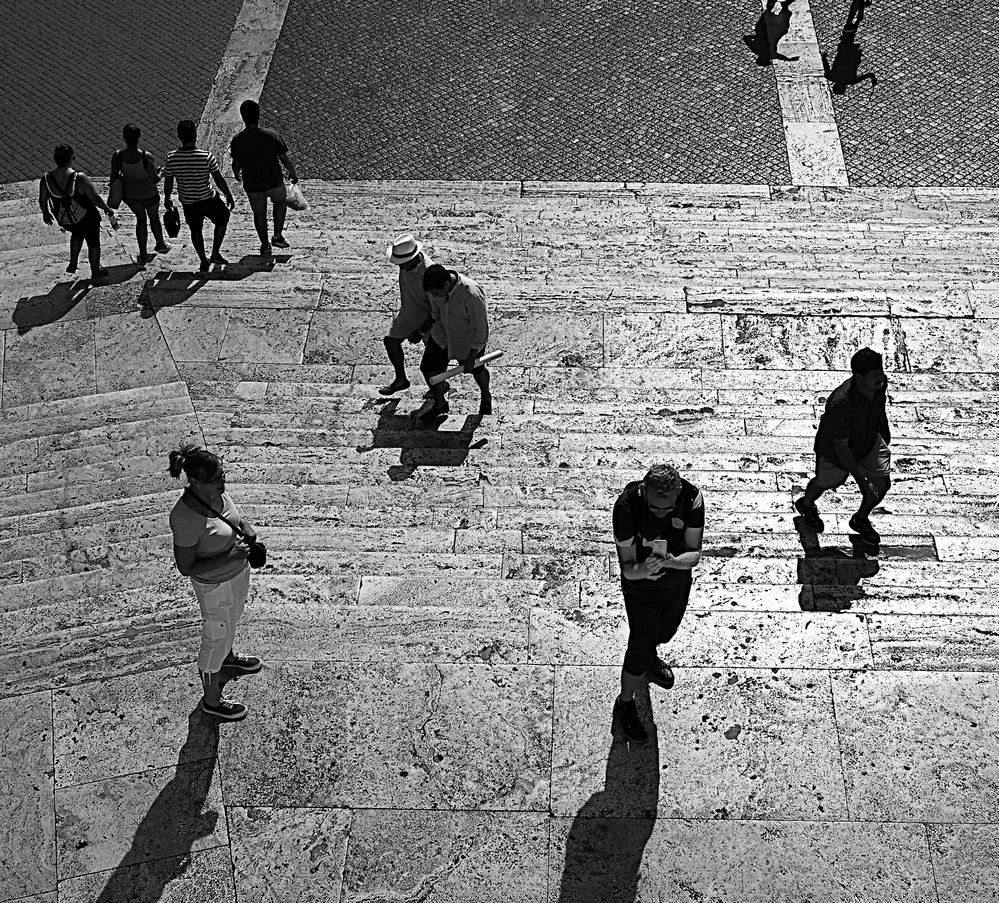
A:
(171, 222)
(116, 191)
(258, 551)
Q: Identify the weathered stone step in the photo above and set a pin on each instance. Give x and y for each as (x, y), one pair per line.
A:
(87, 494)
(89, 411)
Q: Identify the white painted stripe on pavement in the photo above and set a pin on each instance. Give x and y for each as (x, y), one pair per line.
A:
(814, 150)
(241, 74)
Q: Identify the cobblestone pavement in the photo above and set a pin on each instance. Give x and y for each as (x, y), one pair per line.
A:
(931, 118)
(77, 77)
(529, 89)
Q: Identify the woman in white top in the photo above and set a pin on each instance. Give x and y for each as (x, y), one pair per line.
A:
(214, 556)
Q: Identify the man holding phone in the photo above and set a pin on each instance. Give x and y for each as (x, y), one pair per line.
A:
(658, 530)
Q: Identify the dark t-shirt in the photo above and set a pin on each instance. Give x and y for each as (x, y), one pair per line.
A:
(634, 523)
(851, 416)
(256, 150)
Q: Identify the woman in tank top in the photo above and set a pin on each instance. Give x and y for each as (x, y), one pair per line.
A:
(208, 551)
(139, 177)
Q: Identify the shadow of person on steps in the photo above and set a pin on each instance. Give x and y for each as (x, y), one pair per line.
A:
(770, 28)
(170, 288)
(420, 445)
(606, 842)
(62, 298)
(845, 68)
(829, 577)
(175, 822)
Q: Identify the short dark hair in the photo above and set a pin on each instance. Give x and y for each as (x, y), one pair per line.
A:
(131, 133)
(249, 110)
(187, 130)
(62, 154)
(197, 463)
(662, 478)
(435, 277)
(866, 360)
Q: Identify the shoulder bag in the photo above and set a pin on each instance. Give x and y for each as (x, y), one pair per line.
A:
(258, 551)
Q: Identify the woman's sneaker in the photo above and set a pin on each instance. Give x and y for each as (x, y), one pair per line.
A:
(810, 515)
(661, 675)
(866, 530)
(225, 711)
(245, 664)
(626, 716)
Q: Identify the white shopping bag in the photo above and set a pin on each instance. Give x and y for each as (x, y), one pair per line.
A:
(296, 199)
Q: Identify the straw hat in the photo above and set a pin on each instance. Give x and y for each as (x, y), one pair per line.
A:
(403, 249)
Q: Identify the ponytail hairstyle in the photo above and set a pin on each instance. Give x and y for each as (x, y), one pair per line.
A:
(195, 462)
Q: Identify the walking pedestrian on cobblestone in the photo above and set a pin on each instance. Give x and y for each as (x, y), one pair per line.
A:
(137, 170)
(194, 169)
(658, 530)
(257, 157)
(852, 440)
(67, 197)
(414, 317)
(460, 331)
(213, 555)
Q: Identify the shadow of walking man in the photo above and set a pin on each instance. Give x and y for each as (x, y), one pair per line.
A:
(770, 28)
(178, 818)
(423, 445)
(829, 578)
(843, 73)
(606, 843)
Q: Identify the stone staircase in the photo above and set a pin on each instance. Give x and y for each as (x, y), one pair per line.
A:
(701, 324)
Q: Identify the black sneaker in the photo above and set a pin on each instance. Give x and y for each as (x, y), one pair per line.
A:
(397, 385)
(435, 413)
(219, 259)
(867, 532)
(626, 716)
(810, 515)
(661, 675)
(279, 241)
(244, 664)
(225, 711)
(445, 385)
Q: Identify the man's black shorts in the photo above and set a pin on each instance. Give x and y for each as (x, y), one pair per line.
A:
(435, 359)
(214, 209)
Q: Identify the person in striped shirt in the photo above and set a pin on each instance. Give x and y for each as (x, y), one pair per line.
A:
(194, 169)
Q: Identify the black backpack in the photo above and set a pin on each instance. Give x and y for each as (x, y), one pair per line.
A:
(67, 208)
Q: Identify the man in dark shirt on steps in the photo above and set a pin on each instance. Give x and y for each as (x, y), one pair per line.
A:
(658, 528)
(257, 155)
(852, 440)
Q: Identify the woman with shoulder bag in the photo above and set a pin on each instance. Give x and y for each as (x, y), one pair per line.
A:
(68, 199)
(135, 172)
(215, 547)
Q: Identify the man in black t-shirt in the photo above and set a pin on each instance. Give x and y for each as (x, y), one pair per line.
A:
(852, 440)
(658, 528)
(257, 155)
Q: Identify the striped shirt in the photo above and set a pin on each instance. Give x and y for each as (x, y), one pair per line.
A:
(192, 168)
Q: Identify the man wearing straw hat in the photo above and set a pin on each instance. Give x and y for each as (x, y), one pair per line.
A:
(413, 319)
(460, 332)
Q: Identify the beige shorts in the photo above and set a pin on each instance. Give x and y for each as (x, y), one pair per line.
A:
(221, 607)
(875, 465)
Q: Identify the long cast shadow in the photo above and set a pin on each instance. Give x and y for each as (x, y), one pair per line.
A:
(174, 823)
(829, 577)
(420, 445)
(603, 852)
(770, 28)
(60, 300)
(844, 71)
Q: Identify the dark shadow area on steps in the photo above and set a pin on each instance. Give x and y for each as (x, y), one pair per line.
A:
(170, 288)
(606, 843)
(60, 300)
(770, 28)
(844, 71)
(830, 577)
(419, 444)
(176, 820)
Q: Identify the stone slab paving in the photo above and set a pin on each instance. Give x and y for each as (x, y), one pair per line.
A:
(440, 616)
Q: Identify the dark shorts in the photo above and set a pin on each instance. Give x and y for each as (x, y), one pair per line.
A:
(214, 210)
(89, 228)
(144, 205)
(655, 609)
(435, 359)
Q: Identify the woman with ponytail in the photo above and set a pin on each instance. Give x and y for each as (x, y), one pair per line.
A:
(209, 551)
